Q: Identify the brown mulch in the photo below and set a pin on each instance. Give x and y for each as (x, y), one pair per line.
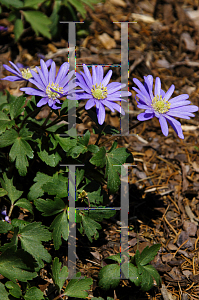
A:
(164, 183)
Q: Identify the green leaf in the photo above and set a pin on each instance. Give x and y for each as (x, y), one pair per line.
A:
(99, 159)
(13, 243)
(34, 293)
(19, 223)
(60, 228)
(32, 3)
(20, 151)
(13, 3)
(154, 273)
(57, 186)
(18, 29)
(5, 227)
(3, 192)
(4, 294)
(147, 280)
(66, 143)
(54, 17)
(39, 22)
(51, 160)
(86, 137)
(7, 184)
(59, 275)
(115, 159)
(77, 150)
(36, 189)
(79, 7)
(5, 122)
(24, 203)
(148, 254)
(77, 287)
(79, 176)
(131, 272)
(31, 237)
(99, 214)
(14, 289)
(49, 207)
(17, 265)
(90, 227)
(93, 148)
(8, 138)
(109, 276)
(16, 105)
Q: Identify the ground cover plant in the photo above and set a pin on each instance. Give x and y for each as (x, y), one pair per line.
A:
(53, 181)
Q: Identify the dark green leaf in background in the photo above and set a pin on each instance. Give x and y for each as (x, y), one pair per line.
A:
(50, 207)
(38, 21)
(3, 293)
(109, 276)
(24, 203)
(14, 289)
(7, 184)
(5, 227)
(60, 227)
(17, 265)
(5, 122)
(78, 287)
(59, 274)
(34, 294)
(31, 237)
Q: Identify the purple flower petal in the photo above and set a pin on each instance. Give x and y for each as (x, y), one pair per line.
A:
(90, 103)
(164, 125)
(52, 72)
(42, 102)
(62, 72)
(145, 116)
(107, 78)
(169, 92)
(100, 113)
(157, 86)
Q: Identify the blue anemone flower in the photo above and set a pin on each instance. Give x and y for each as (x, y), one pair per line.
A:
(99, 91)
(51, 87)
(159, 105)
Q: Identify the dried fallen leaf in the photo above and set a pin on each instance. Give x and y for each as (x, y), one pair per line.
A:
(107, 41)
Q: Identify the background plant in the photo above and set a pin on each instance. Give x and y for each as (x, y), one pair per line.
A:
(42, 15)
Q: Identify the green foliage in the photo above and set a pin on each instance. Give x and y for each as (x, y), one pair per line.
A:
(4, 294)
(137, 270)
(17, 265)
(35, 13)
(59, 274)
(60, 227)
(113, 159)
(109, 276)
(14, 289)
(12, 192)
(77, 287)
(39, 22)
(31, 237)
(34, 293)
(5, 227)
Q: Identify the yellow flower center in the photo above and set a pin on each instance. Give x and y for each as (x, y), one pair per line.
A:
(160, 105)
(26, 73)
(99, 91)
(56, 87)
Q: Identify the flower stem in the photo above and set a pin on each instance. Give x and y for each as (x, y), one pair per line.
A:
(29, 115)
(99, 137)
(60, 296)
(10, 211)
(116, 137)
(48, 117)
